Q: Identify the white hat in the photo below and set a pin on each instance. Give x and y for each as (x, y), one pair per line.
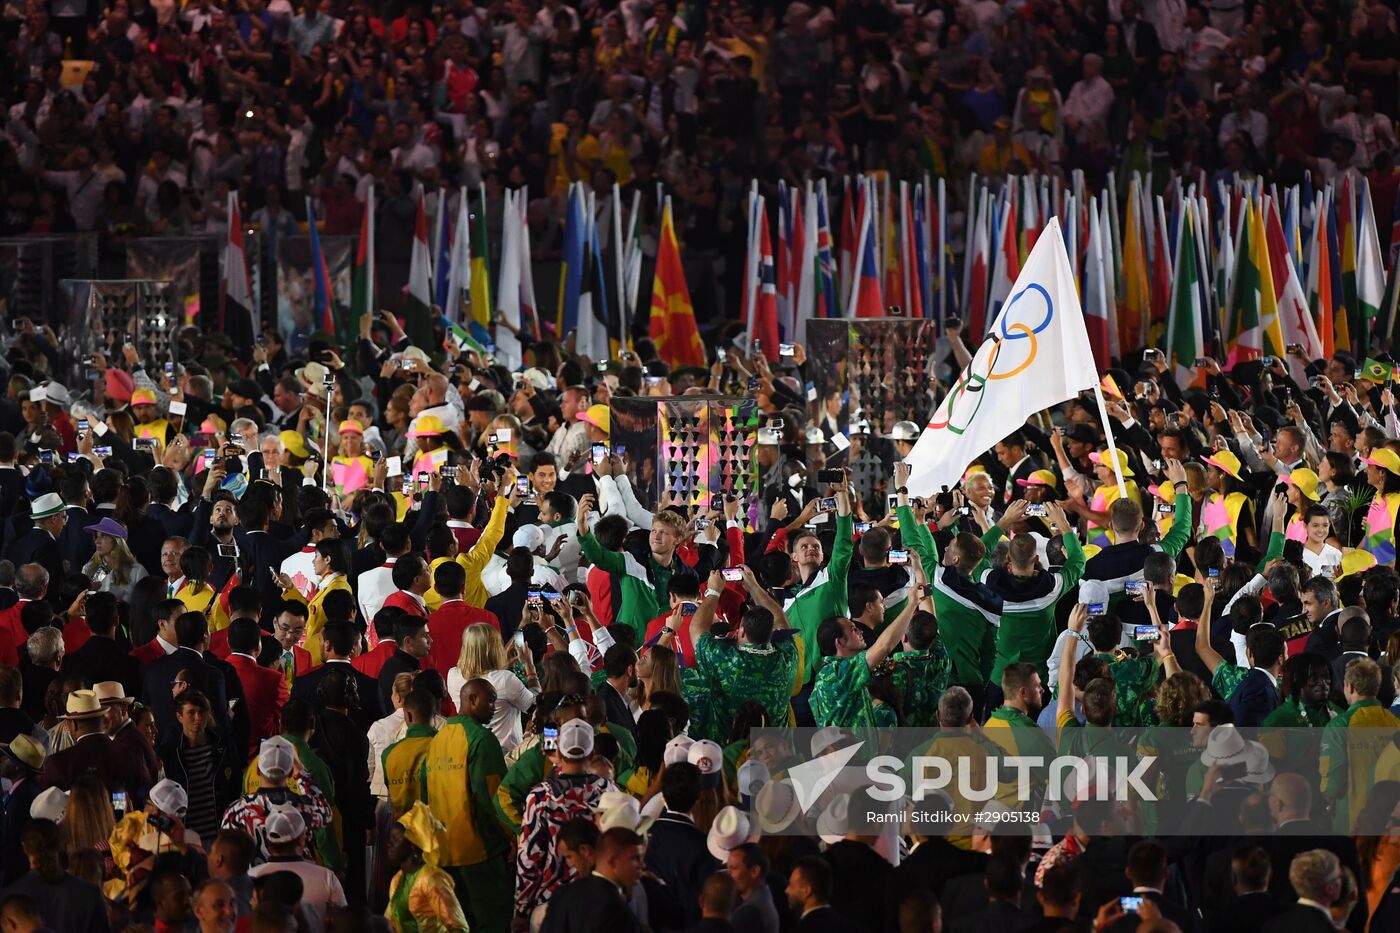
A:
(776, 806)
(58, 394)
(904, 431)
(770, 437)
(576, 739)
(529, 537)
(677, 750)
(731, 828)
(707, 756)
(813, 436)
(538, 378)
(311, 376)
(618, 809)
(1226, 746)
(50, 805)
(284, 824)
(835, 819)
(826, 737)
(753, 774)
(50, 503)
(1092, 592)
(170, 798)
(276, 757)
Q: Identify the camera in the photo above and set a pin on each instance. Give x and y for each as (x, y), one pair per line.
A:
(328, 378)
(786, 349)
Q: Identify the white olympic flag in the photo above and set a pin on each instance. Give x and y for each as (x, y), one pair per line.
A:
(1036, 355)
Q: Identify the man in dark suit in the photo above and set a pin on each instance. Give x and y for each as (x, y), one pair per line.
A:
(1252, 905)
(1004, 880)
(1147, 870)
(1016, 464)
(191, 634)
(598, 903)
(1059, 895)
(1257, 696)
(1139, 36)
(859, 876)
(809, 894)
(1354, 633)
(339, 641)
(100, 657)
(412, 644)
(620, 667)
(75, 544)
(261, 554)
(21, 761)
(94, 751)
(39, 545)
(677, 851)
(1317, 877)
(164, 488)
(1296, 831)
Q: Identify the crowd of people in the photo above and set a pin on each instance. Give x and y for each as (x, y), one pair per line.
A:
(322, 637)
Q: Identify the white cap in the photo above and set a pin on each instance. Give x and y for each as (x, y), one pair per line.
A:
(529, 537)
(770, 437)
(49, 805)
(707, 756)
(905, 431)
(1092, 592)
(276, 757)
(170, 798)
(753, 774)
(284, 824)
(576, 739)
(677, 750)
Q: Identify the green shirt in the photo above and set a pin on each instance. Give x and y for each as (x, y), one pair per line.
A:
(824, 595)
(1133, 680)
(921, 677)
(1227, 679)
(639, 604)
(839, 697)
(1027, 630)
(737, 673)
(1291, 713)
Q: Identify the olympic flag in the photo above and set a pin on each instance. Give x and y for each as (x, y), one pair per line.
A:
(1036, 354)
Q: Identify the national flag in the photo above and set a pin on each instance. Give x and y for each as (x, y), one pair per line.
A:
(760, 309)
(784, 270)
(481, 265)
(865, 297)
(459, 271)
(237, 317)
(916, 256)
(1346, 230)
(1098, 320)
(1030, 220)
(1295, 319)
(418, 310)
(1252, 301)
(508, 317)
(1007, 265)
(847, 248)
(576, 315)
(1377, 372)
(979, 259)
(1341, 321)
(1320, 278)
(1039, 356)
(892, 234)
(1185, 337)
(804, 303)
(1134, 304)
(593, 339)
(672, 325)
(322, 312)
(362, 277)
(1160, 283)
(457, 339)
(1108, 280)
(1394, 225)
(529, 309)
(1370, 268)
(1108, 385)
(795, 224)
(442, 250)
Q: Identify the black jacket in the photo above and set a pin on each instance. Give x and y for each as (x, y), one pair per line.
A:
(589, 905)
(228, 768)
(1244, 912)
(616, 704)
(37, 546)
(101, 658)
(156, 684)
(859, 875)
(344, 747)
(677, 853)
(1300, 918)
(306, 688)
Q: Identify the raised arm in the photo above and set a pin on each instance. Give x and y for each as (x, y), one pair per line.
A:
(1069, 656)
(893, 634)
(1208, 655)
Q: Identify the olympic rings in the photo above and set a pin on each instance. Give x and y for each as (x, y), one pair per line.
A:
(1049, 312)
(1030, 356)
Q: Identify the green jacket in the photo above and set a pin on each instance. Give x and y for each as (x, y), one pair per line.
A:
(531, 768)
(639, 601)
(1027, 629)
(1351, 745)
(824, 596)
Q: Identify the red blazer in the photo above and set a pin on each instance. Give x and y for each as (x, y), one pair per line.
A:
(407, 603)
(218, 644)
(373, 661)
(265, 692)
(148, 653)
(75, 634)
(9, 620)
(447, 625)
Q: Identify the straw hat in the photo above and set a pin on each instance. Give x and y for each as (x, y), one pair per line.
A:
(83, 704)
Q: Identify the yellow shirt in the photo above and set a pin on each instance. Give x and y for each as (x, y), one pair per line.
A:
(316, 613)
(585, 154)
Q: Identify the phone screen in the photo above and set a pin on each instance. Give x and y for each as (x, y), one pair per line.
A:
(899, 556)
(732, 574)
(549, 739)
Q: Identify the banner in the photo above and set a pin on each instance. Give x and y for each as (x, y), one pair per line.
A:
(1036, 355)
(296, 284)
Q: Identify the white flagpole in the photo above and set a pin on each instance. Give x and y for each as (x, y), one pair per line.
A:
(1108, 433)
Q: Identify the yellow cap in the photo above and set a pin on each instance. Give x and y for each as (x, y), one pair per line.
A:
(1306, 481)
(599, 416)
(1108, 457)
(295, 444)
(1226, 462)
(1385, 458)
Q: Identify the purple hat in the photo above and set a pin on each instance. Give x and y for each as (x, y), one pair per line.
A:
(108, 526)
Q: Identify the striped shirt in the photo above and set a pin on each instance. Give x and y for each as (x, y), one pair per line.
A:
(203, 813)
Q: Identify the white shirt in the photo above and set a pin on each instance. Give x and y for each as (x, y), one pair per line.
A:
(381, 736)
(1324, 561)
(566, 562)
(299, 568)
(512, 699)
(376, 586)
(321, 889)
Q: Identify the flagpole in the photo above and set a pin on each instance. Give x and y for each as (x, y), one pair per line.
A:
(1108, 433)
(618, 265)
(756, 211)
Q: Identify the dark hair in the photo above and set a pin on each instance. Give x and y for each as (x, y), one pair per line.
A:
(1266, 645)
(340, 637)
(384, 621)
(333, 550)
(653, 733)
(194, 564)
(406, 570)
(816, 871)
(1060, 885)
(421, 704)
(244, 636)
(407, 626)
(292, 607)
(579, 832)
(450, 579)
(757, 623)
(102, 613)
(618, 659)
(828, 633)
(681, 784)
(191, 629)
(244, 601)
(296, 717)
(859, 596)
(339, 605)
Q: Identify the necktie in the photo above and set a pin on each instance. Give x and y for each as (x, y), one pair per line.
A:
(288, 663)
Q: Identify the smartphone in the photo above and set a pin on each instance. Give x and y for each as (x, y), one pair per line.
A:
(82, 425)
(522, 485)
(702, 523)
(103, 451)
(720, 354)
(72, 456)
(1130, 905)
(169, 368)
(786, 349)
(899, 556)
(228, 550)
(549, 738)
(393, 466)
(1202, 361)
(655, 380)
(689, 608)
(550, 595)
(831, 476)
(603, 366)
(621, 450)
(778, 423)
(1134, 587)
(1356, 374)
(260, 340)
(1147, 633)
(1097, 609)
(375, 455)
(1294, 348)
(1234, 772)
(119, 802)
(1036, 510)
(826, 504)
(732, 574)
(46, 457)
(491, 439)
(600, 452)
(519, 638)
(862, 527)
(532, 596)
(964, 510)
(149, 442)
(1165, 509)
(1213, 577)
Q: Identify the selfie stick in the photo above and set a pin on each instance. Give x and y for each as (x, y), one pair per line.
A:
(326, 446)
(1108, 433)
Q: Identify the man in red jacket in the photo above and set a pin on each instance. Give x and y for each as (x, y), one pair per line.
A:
(167, 610)
(452, 618)
(264, 690)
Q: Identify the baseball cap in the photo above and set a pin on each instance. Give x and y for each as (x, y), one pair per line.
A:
(284, 824)
(276, 757)
(677, 750)
(1385, 458)
(170, 798)
(576, 739)
(707, 756)
(1092, 592)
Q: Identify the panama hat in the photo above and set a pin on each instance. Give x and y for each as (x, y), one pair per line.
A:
(1385, 458)
(111, 691)
(311, 376)
(83, 704)
(1226, 462)
(599, 416)
(46, 506)
(25, 752)
(1226, 746)
(1109, 457)
(731, 828)
(904, 431)
(617, 809)
(776, 806)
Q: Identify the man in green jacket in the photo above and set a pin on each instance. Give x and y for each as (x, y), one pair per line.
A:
(820, 593)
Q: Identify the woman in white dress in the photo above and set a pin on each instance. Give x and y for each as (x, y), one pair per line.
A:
(484, 655)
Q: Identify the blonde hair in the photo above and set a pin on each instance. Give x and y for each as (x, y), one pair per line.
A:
(121, 561)
(669, 520)
(665, 671)
(482, 651)
(88, 820)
